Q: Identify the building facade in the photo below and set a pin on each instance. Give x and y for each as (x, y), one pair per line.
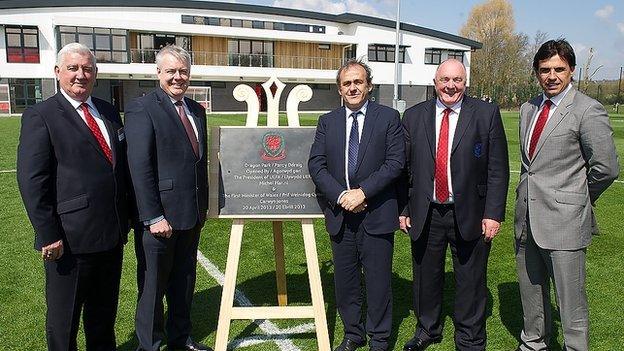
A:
(230, 44)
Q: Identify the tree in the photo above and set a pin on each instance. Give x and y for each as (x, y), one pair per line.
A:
(502, 68)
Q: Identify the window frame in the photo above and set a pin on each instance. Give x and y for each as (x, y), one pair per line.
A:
(24, 54)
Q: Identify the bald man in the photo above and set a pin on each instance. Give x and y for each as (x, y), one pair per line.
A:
(457, 179)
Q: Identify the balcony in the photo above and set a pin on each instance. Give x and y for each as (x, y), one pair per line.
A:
(245, 60)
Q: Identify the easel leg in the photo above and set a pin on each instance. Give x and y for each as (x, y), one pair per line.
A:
(280, 270)
(316, 290)
(229, 286)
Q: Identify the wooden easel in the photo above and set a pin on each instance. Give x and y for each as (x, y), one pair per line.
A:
(227, 311)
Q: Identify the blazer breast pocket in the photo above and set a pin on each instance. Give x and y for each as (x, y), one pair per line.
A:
(165, 184)
(74, 204)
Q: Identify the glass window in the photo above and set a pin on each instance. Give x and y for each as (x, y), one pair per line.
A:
(458, 55)
(213, 21)
(258, 24)
(108, 45)
(385, 53)
(433, 56)
(225, 22)
(246, 24)
(244, 46)
(236, 23)
(22, 44)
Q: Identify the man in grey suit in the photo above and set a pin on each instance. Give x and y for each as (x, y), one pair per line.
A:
(568, 160)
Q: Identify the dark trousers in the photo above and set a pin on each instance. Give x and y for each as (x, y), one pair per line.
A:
(166, 267)
(355, 251)
(470, 268)
(77, 282)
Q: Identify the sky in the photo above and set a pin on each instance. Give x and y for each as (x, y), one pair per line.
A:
(597, 24)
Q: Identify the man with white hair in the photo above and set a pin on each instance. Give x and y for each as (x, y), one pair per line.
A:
(72, 175)
(167, 159)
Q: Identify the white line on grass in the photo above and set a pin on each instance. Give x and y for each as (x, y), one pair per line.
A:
(8, 170)
(274, 333)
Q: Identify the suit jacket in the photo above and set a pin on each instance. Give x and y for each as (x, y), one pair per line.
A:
(70, 190)
(381, 157)
(479, 165)
(168, 178)
(574, 162)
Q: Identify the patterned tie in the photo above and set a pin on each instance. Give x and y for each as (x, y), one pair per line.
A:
(97, 133)
(354, 145)
(187, 126)
(539, 127)
(441, 178)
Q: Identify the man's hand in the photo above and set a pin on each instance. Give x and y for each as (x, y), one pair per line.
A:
(161, 228)
(353, 199)
(53, 251)
(489, 228)
(405, 223)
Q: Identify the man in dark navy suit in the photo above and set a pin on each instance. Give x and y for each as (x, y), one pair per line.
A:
(167, 158)
(357, 155)
(458, 178)
(73, 178)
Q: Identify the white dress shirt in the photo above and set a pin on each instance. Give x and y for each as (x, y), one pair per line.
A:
(556, 100)
(94, 112)
(361, 116)
(453, 118)
(189, 114)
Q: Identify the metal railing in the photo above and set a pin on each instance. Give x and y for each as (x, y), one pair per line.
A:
(244, 60)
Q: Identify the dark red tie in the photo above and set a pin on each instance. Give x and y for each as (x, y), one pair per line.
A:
(441, 178)
(97, 133)
(187, 126)
(539, 127)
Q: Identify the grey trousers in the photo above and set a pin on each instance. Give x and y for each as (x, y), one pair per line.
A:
(536, 267)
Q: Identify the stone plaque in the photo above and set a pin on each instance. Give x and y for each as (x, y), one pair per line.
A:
(263, 171)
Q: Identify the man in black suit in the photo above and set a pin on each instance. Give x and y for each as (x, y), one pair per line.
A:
(458, 178)
(357, 155)
(167, 154)
(72, 175)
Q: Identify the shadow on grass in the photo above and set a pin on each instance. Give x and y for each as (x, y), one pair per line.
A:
(511, 314)
(403, 304)
(204, 316)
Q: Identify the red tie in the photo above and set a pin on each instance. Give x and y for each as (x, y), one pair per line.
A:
(539, 127)
(97, 133)
(441, 178)
(187, 127)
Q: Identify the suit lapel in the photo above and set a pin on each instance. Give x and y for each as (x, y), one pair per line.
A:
(464, 119)
(525, 123)
(170, 110)
(429, 122)
(339, 124)
(560, 112)
(367, 129)
(71, 115)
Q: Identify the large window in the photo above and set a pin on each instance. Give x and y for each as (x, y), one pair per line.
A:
(253, 53)
(435, 56)
(22, 44)
(24, 93)
(384, 53)
(458, 55)
(108, 45)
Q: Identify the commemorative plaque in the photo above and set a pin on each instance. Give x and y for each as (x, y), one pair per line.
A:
(263, 171)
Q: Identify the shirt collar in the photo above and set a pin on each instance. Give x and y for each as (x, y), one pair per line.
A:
(362, 109)
(173, 101)
(455, 107)
(556, 100)
(75, 103)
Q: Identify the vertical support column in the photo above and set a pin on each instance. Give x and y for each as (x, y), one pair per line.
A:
(280, 265)
(316, 289)
(229, 285)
